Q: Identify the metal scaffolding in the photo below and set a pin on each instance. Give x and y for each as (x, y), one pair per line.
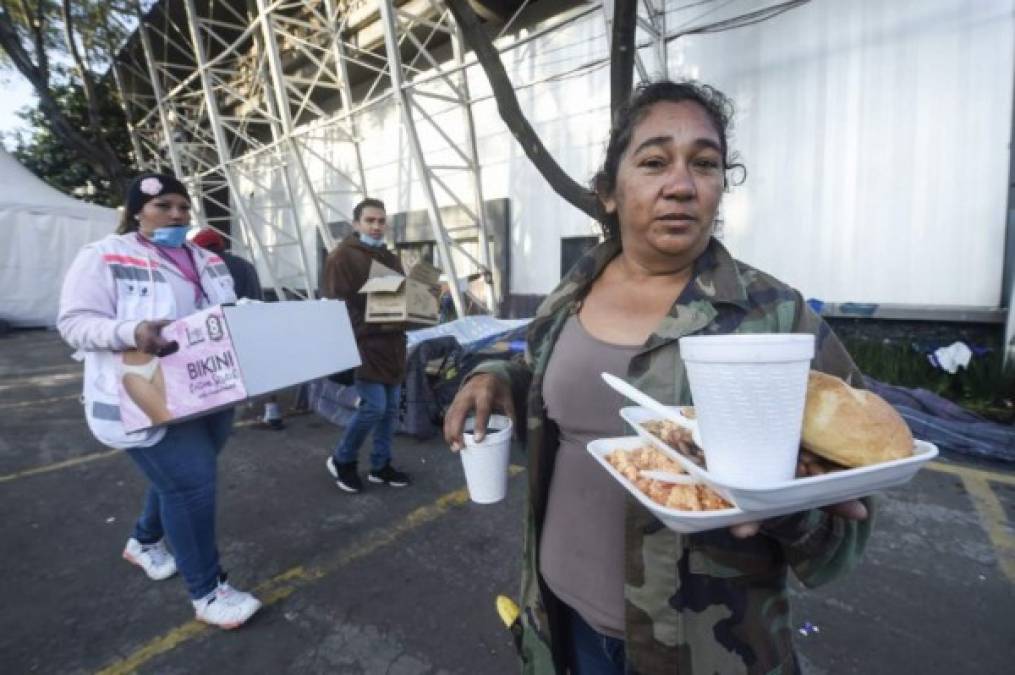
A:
(236, 98)
(240, 99)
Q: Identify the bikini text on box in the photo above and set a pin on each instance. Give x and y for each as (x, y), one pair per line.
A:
(229, 353)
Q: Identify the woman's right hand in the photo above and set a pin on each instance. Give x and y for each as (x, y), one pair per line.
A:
(148, 339)
(482, 394)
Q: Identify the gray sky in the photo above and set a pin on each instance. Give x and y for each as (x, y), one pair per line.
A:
(16, 93)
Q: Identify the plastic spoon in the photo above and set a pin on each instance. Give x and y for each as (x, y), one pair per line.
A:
(646, 401)
(666, 476)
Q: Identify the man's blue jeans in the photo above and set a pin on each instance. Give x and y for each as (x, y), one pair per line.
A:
(180, 503)
(377, 411)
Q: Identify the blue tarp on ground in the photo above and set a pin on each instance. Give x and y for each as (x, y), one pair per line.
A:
(472, 332)
(457, 344)
(950, 427)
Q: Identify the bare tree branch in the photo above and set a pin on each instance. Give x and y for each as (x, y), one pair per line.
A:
(622, 53)
(36, 20)
(10, 42)
(84, 72)
(97, 153)
(507, 105)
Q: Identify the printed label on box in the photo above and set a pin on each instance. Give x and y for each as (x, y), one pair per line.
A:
(202, 374)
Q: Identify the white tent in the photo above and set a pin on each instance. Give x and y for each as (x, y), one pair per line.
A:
(43, 229)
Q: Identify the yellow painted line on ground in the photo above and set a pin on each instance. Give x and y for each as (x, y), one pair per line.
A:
(85, 459)
(995, 522)
(41, 401)
(285, 584)
(969, 472)
(59, 465)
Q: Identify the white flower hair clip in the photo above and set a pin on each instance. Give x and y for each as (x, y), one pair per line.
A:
(151, 186)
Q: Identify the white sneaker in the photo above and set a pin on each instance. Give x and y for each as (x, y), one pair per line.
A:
(226, 607)
(155, 559)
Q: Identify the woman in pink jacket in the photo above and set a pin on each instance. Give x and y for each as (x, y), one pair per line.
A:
(118, 294)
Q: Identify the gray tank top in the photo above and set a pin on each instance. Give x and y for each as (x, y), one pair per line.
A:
(582, 545)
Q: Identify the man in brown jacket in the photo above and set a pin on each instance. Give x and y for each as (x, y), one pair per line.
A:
(381, 348)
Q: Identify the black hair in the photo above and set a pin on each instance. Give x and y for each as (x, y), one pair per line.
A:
(369, 202)
(128, 223)
(144, 188)
(716, 105)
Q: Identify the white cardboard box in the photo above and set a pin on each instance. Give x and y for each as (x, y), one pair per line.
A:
(393, 298)
(228, 353)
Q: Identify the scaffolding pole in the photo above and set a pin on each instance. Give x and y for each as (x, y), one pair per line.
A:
(419, 162)
(253, 99)
(167, 129)
(479, 204)
(220, 140)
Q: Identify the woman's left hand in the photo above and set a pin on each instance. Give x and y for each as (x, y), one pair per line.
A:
(851, 510)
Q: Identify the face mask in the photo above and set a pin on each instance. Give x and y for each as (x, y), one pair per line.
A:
(170, 236)
(370, 241)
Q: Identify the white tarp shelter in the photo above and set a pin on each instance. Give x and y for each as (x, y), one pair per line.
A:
(43, 231)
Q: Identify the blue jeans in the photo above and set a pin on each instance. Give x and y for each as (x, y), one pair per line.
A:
(377, 412)
(180, 502)
(592, 653)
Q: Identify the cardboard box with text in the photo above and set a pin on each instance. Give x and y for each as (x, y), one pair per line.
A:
(227, 353)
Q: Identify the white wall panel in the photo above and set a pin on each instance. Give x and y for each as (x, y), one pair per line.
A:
(876, 139)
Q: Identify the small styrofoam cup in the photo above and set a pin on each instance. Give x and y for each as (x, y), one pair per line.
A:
(486, 463)
(749, 392)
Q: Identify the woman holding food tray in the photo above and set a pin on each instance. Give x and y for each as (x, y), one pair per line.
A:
(605, 587)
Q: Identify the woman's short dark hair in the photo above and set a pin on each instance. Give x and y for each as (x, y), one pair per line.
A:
(716, 105)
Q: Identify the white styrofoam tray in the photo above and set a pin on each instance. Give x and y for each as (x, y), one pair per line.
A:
(797, 494)
(684, 522)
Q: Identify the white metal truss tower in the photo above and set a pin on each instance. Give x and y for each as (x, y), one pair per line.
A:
(240, 98)
(237, 97)
(206, 92)
(420, 98)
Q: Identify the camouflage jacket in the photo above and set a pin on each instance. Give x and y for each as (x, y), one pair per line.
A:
(701, 603)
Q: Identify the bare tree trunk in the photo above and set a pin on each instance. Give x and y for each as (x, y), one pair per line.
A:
(507, 105)
(98, 154)
(622, 53)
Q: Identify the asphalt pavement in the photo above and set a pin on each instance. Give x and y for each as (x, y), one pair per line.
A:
(403, 580)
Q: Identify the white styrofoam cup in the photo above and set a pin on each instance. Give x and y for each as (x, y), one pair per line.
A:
(486, 463)
(749, 392)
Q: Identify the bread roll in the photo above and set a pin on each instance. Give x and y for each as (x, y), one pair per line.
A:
(851, 426)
